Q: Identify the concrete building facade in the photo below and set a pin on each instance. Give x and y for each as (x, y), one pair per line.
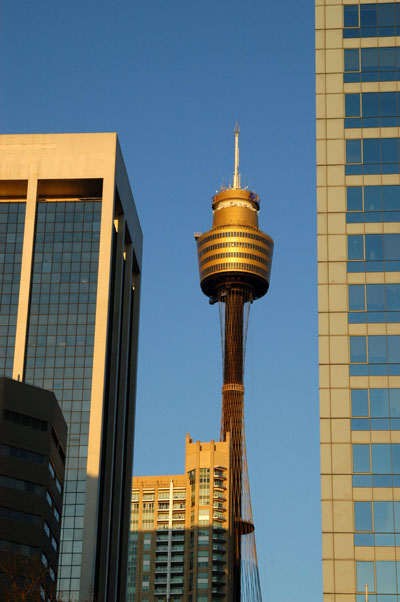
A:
(70, 262)
(358, 188)
(179, 547)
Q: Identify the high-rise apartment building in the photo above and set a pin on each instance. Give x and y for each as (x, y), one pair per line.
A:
(179, 545)
(358, 166)
(70, 261)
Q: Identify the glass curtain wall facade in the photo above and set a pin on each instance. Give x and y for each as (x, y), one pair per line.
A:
(358, 199)
(68, 229)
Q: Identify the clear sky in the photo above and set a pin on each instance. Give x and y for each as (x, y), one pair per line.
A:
(172, 77)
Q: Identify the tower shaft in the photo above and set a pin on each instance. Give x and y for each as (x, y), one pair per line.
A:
(232, 416)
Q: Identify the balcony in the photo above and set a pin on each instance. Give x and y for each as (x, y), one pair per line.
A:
(218, 474)
(162, 558)
(219, 484)
(177, 558)
(176, 548)
(162, 547)
(217, 547)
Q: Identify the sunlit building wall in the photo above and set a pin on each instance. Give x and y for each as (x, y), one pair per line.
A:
(70, 260)
(358, 184)
(179, 534)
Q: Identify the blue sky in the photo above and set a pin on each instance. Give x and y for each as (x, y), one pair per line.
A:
(172, 77)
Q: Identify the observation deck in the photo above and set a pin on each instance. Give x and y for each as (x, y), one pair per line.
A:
(234, 251)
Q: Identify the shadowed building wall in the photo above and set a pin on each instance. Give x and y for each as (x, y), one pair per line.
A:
(70, 262)
(33, 439)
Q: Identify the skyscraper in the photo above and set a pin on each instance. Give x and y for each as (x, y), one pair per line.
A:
(358, 188)
(70, 261)
(179, 545)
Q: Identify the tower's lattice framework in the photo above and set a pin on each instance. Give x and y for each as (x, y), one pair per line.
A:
(234, 263)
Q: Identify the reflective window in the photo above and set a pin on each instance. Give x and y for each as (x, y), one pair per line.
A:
(359, 402)
(382, 252)
(358, 349)
(365, 576)
(361, 458)
(12, 220)
(371, 64)
(363, 516)
(372, 156)
(355, 246)
(373, 204)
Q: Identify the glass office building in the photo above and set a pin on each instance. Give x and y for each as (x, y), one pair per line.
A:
(70, 257)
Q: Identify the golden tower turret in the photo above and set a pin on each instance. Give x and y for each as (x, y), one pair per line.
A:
(235, 250)
(235, 263)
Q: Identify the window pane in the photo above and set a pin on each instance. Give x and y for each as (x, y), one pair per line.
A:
(358, 350)
(365, 576)
(368, 17)
(354, 198)
(370, 104)
(359, 402)
(393, 297)
(394, 396)
(396, 516)
(390, 150)
(392, 246)
(385, 14)
(379, 400)
(386, 577)
(396, 458)
(351, 16)
(355, 246)
(371, 150)
(353, 151)
(369, 60)
(376, 297)
(351, 60)
(363, 516)
(393, 349)
(356, 297)
(352, 105)
(381, 461)
(391, 198)
(372, 198)
(383, 517)
(377, 350)
(388, 103)
(374, 247)
(361, 461)
(387, 58)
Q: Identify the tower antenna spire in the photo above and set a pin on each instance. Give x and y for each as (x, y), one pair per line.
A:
(236, 174)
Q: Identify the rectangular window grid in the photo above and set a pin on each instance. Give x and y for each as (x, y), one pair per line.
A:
(59, 350)
(12, 220)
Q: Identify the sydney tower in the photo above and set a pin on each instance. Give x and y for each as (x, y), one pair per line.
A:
(235, 262)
